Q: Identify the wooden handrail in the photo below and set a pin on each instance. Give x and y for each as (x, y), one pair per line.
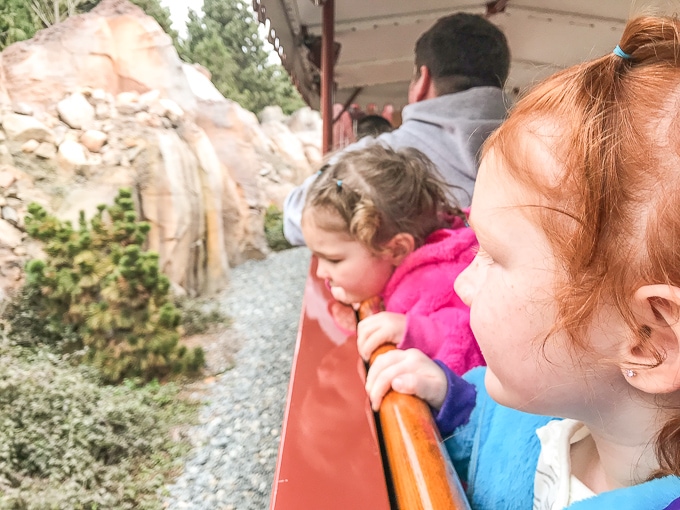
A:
(422, 474)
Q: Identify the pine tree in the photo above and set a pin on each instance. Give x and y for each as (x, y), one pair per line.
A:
(99, 283)
(226, 41)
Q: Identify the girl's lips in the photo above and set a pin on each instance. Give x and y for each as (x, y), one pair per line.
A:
(328, 283)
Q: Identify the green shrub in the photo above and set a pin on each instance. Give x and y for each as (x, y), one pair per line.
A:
(31, 328)
(200, 316)
(273, 229)
(100, 294)
(67, 442)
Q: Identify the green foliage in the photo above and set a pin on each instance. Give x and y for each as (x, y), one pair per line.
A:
(17, 22)
(21, 19)
(30, 327)
(99, 293)
(273, 229)
(51, 12)
(200, 316)
(225, 40)
(66, 442)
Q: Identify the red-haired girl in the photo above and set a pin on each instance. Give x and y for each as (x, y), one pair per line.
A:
(574, 294)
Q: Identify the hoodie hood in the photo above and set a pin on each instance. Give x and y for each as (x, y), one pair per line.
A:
(451, 129)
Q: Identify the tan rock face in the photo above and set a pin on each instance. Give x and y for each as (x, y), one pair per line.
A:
(23, 128)
(10, 236)
(115, 48)
(76, 111)
(93, 140)
(110, 104)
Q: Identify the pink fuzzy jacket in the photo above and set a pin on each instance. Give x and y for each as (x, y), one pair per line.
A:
(421, 287)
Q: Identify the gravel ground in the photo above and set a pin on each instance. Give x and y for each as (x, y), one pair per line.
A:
(236, 443)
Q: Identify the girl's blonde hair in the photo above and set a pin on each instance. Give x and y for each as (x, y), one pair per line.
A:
(613, 214)
(377, 192)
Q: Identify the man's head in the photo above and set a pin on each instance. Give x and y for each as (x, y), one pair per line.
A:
(459, 52)
(372, 125)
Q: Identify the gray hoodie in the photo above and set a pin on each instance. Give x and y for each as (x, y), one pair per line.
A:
(449, 129)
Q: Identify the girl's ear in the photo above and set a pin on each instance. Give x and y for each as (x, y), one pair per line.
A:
(399, 247)
(653, 359)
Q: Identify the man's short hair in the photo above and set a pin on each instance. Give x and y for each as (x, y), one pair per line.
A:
(462, 51)
(372, 125)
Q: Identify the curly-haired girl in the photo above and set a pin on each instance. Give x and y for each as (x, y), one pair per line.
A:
(381, 224)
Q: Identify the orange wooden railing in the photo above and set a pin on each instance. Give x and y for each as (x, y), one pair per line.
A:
(422, 474)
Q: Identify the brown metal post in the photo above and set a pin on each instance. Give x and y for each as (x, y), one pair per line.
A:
(327, 57)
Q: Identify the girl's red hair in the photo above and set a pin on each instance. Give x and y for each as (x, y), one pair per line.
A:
(617, 128)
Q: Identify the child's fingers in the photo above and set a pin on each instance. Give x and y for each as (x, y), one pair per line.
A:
(410, 372)
(368, 337)
(368, 344)
(405, 383)
(376, 384)
(372, 332)
(381, 362)
(385, 369)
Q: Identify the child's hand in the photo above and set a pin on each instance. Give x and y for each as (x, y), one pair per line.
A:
(410, 372)
(376, 330)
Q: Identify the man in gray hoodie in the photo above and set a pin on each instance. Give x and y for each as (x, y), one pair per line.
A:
(455, 102)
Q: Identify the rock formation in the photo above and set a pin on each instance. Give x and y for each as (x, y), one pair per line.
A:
(102, 101)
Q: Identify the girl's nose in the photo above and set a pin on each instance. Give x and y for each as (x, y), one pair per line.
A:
(464, 284)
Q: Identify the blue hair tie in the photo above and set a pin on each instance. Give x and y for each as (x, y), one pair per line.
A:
(620, 53)
(339, 183)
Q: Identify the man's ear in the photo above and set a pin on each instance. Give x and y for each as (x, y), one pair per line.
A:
(652, 360)
(420, 88)
(399, 247)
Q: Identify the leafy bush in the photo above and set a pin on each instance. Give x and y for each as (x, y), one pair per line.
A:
(99, 293)
(31, 328)
(273, 229)
(199, 316)
(66, 442)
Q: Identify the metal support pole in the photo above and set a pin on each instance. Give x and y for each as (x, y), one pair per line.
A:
(327, 57)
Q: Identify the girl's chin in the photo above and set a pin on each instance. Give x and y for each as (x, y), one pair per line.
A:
(511, 396)
(494, 388)
(339, 294)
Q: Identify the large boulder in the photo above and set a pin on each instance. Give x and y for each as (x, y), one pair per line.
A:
(115, 47)
(102, 101)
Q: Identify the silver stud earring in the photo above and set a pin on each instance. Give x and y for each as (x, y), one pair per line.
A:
(630, 373)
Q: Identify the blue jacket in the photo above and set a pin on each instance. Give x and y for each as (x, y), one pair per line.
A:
(495, 454)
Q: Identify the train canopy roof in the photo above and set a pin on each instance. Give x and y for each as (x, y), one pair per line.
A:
(375, 39)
